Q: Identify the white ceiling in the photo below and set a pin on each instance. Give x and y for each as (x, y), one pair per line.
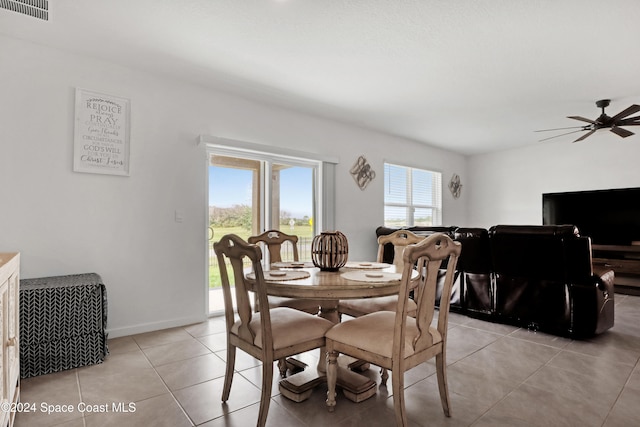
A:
(471, 76)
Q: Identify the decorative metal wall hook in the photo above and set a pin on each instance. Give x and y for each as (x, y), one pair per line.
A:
(362, 172)
(455, 186)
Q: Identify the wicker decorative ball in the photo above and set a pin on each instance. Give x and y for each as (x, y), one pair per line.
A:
(329, 250)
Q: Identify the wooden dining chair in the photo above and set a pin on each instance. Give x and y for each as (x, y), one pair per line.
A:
(400, 239)
(268, 335)
(273, 241)
(396, 341)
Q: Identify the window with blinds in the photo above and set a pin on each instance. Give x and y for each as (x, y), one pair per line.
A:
(411, 196)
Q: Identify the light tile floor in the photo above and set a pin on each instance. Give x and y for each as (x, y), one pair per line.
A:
(498, 376)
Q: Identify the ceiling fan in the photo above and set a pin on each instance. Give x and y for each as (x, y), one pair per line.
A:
(603, 122)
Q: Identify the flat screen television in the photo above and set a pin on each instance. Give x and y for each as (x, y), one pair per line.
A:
(609, 217)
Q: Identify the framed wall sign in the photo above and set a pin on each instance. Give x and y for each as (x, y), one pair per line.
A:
(101, 135)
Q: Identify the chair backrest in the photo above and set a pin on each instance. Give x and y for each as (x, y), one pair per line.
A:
(273, 240)
(428, 255)
(533, 251)
(236, 251)
(420, 230)
(535, 269)
(400, 239)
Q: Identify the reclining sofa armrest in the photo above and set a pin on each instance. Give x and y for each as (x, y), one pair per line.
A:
(592, 304)
(605, 278)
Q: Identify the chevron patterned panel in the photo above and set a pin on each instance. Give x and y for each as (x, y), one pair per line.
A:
(63, 322)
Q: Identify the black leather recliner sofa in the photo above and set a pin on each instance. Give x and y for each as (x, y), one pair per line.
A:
(538, 277)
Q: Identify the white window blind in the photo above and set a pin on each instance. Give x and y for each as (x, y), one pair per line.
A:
(411, 196)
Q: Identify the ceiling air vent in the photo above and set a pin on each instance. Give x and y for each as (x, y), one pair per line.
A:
(36, 8)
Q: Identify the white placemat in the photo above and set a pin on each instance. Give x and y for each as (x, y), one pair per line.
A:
(281, 275)
(293, 264)
(366, 265)
(371, 276)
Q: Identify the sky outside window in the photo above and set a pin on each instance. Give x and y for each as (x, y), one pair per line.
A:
(229, 187)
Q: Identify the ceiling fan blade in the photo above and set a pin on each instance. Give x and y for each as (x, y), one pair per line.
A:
(631, 121)
(585, 136)
(582, 119)
(562, 134)
(570, 127)
(626, 112)
(621, 132)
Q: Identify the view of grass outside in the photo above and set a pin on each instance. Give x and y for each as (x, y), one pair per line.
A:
(232, 222)
(398, 223)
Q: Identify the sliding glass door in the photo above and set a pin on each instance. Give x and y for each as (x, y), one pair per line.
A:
(252, 192)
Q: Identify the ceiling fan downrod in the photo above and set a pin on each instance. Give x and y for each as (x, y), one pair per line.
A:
(603, 119)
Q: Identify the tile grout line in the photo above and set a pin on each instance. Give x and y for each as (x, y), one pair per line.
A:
(77, 375)
(475, 421)
(636, 366)
(194, 338)
(163, 381)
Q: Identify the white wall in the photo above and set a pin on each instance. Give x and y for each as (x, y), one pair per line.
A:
(364, 208)
(506, 187)
(123, 227)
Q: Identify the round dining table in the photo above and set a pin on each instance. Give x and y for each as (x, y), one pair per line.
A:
(354, 280)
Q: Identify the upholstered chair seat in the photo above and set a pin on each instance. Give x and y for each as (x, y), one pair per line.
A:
(307, 305)
(380, 339)
(360, 307)
(288, 327)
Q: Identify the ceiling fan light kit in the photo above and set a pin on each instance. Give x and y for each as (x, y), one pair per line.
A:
(603, 122)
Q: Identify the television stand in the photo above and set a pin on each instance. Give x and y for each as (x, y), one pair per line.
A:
(624, 260)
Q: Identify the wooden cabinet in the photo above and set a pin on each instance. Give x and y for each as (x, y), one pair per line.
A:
(9, 317)
(624, 260)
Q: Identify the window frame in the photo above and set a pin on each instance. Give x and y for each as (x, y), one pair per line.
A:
(324, 176)
(409, 205)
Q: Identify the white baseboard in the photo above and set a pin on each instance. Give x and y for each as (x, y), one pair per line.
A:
(155, 326)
